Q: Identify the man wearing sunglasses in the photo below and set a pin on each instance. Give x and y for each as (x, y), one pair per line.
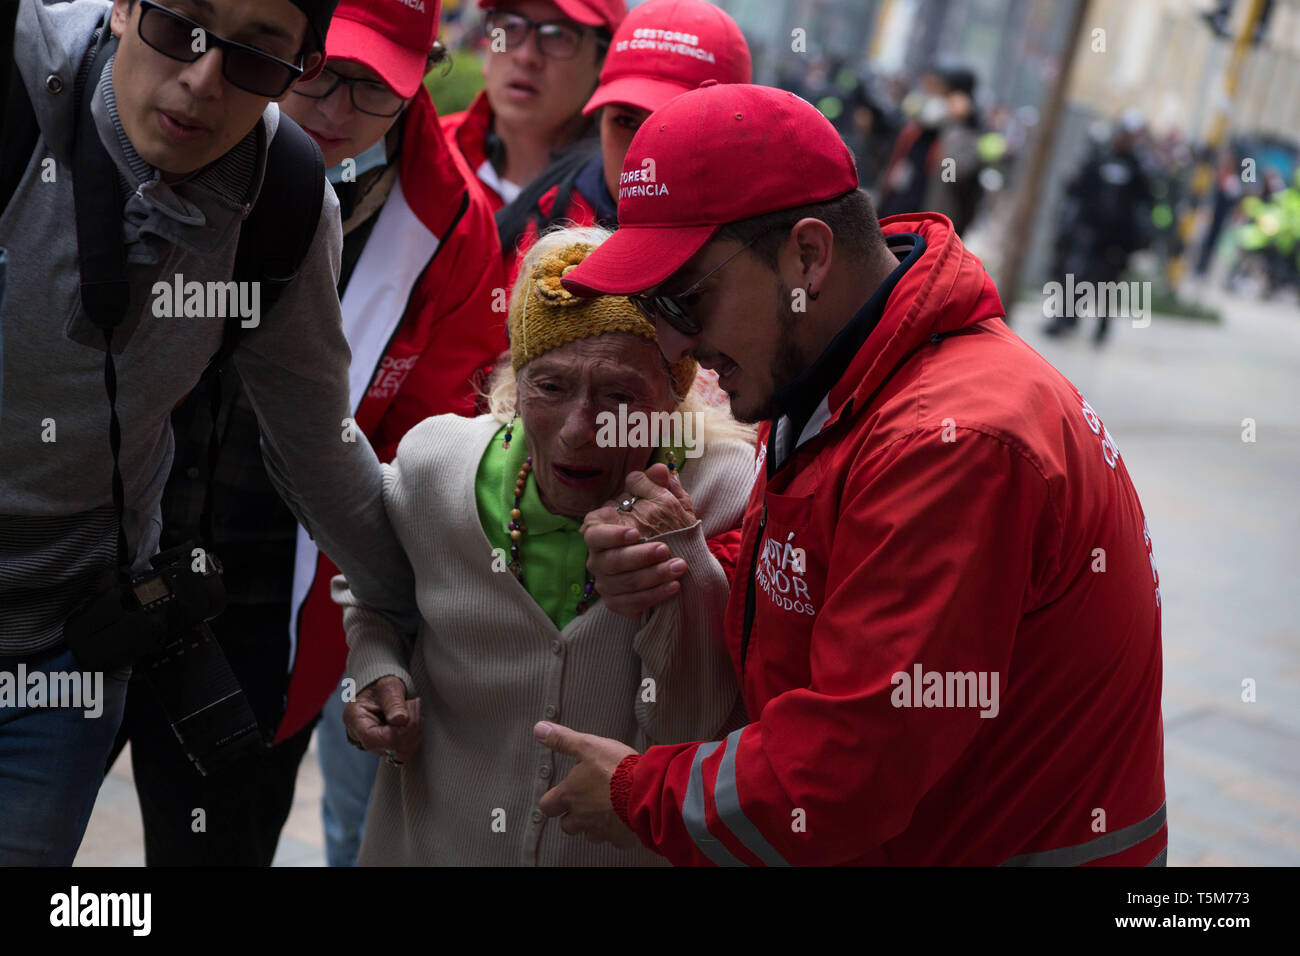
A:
(420, 262)
(184, 110)
(542, 63)
(936, 668)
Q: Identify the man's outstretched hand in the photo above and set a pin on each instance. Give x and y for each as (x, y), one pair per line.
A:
(581, 800)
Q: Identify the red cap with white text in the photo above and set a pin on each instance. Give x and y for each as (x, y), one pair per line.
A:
(590, 13)
(391, 37)
(715, 155)
(665, 48)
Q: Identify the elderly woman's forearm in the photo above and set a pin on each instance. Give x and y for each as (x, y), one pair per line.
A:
(376, 646)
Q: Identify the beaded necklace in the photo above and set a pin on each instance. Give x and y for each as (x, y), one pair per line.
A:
(518, 529)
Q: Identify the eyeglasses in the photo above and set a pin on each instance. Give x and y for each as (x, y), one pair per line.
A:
(369, 97)
(182, 39)
(672, 309)
(556, 39)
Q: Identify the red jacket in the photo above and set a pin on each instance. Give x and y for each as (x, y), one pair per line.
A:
(424, 312)
(467, 132)
(961, 509)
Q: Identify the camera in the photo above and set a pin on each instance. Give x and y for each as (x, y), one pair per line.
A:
(157, 622)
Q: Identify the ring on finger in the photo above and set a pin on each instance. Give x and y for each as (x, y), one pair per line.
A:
(391, 757)
(627, 503)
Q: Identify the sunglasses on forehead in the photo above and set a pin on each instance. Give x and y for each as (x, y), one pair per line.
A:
(245, 67)
(675, 309)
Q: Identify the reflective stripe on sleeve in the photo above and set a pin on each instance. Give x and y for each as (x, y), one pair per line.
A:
(1105, 845)
(728, 802)
(693, 811)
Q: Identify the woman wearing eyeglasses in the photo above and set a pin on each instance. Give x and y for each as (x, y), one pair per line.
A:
(497, 515)
(543, 60)
(663, 49)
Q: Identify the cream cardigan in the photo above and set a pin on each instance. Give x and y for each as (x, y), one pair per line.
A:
(488, 663)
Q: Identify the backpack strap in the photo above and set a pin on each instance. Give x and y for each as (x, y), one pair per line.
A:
(513, 219)
(275, 238)
(278, 232)
(18, 129)
(273, 242)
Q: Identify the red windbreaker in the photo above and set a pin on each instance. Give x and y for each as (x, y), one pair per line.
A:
(960, 517)
(467, 132)
(429, 320)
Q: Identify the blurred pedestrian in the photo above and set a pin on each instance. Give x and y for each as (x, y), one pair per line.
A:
(1228, 190)
(1107, 218)
(935, 162)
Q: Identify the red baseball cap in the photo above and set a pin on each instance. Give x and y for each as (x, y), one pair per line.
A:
(591, 13)
(715, 155)
(391, 37)
(665, 48)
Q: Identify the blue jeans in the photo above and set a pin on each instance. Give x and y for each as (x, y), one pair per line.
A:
(52, 759)
(349, 776)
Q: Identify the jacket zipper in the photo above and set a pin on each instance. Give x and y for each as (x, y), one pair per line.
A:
(749, 594)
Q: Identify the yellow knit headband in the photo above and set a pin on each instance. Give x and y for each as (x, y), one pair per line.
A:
(545, 315)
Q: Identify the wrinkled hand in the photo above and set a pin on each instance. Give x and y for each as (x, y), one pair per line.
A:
(662, 503)
(633, 576)
(581, 800)
(382, 719)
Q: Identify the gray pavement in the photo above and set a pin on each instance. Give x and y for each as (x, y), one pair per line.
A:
(1225, 518)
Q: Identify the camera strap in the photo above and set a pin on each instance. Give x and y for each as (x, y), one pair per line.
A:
(105, 293)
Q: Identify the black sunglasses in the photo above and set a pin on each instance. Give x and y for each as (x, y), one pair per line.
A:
(368, 97)
(556, 40)
(672, 309)
(243, 66)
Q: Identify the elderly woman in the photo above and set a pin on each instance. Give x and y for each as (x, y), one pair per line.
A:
(490, 513)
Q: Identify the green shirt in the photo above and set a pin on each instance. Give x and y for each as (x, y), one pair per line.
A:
(552, 551)
(553, 554)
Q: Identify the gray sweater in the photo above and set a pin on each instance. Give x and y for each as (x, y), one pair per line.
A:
(57, 528)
